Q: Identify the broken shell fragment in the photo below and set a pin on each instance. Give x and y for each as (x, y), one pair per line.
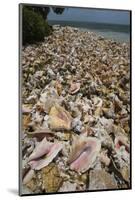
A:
(41, 133)
(30, 174)
(107, 123)
(117, 104)
(32, 186)
(58, 87)
(51, 179)
(84, 153)
(74, 87)
(121, 140)
(98, 106)
(26, 109)
(125, 172)
(59, 118)
(68, 187)
(77, 125)
(104, 158)
(48, 99)
(26, 120)
(100, 179)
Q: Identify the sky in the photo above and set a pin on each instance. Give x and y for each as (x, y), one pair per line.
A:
(92, 15)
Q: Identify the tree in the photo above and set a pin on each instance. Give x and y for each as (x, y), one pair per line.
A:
(34, 26)
(44, 11)
(58, 10)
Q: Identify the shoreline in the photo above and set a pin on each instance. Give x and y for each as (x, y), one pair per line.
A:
(117, 36)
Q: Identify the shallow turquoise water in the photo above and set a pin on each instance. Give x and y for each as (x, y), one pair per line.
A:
(117, 36)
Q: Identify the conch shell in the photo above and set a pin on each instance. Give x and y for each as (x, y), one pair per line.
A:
(41, 149)
(84, 152)
(59, 118)
(49, 149)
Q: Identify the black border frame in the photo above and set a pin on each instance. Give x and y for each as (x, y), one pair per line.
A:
(19, 100)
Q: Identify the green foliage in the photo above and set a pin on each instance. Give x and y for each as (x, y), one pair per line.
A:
(35, 28)
(58, 10)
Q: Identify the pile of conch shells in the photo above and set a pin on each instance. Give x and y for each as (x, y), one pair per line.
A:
(75, 113)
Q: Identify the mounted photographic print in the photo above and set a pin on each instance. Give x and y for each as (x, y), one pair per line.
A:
(75, 80)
